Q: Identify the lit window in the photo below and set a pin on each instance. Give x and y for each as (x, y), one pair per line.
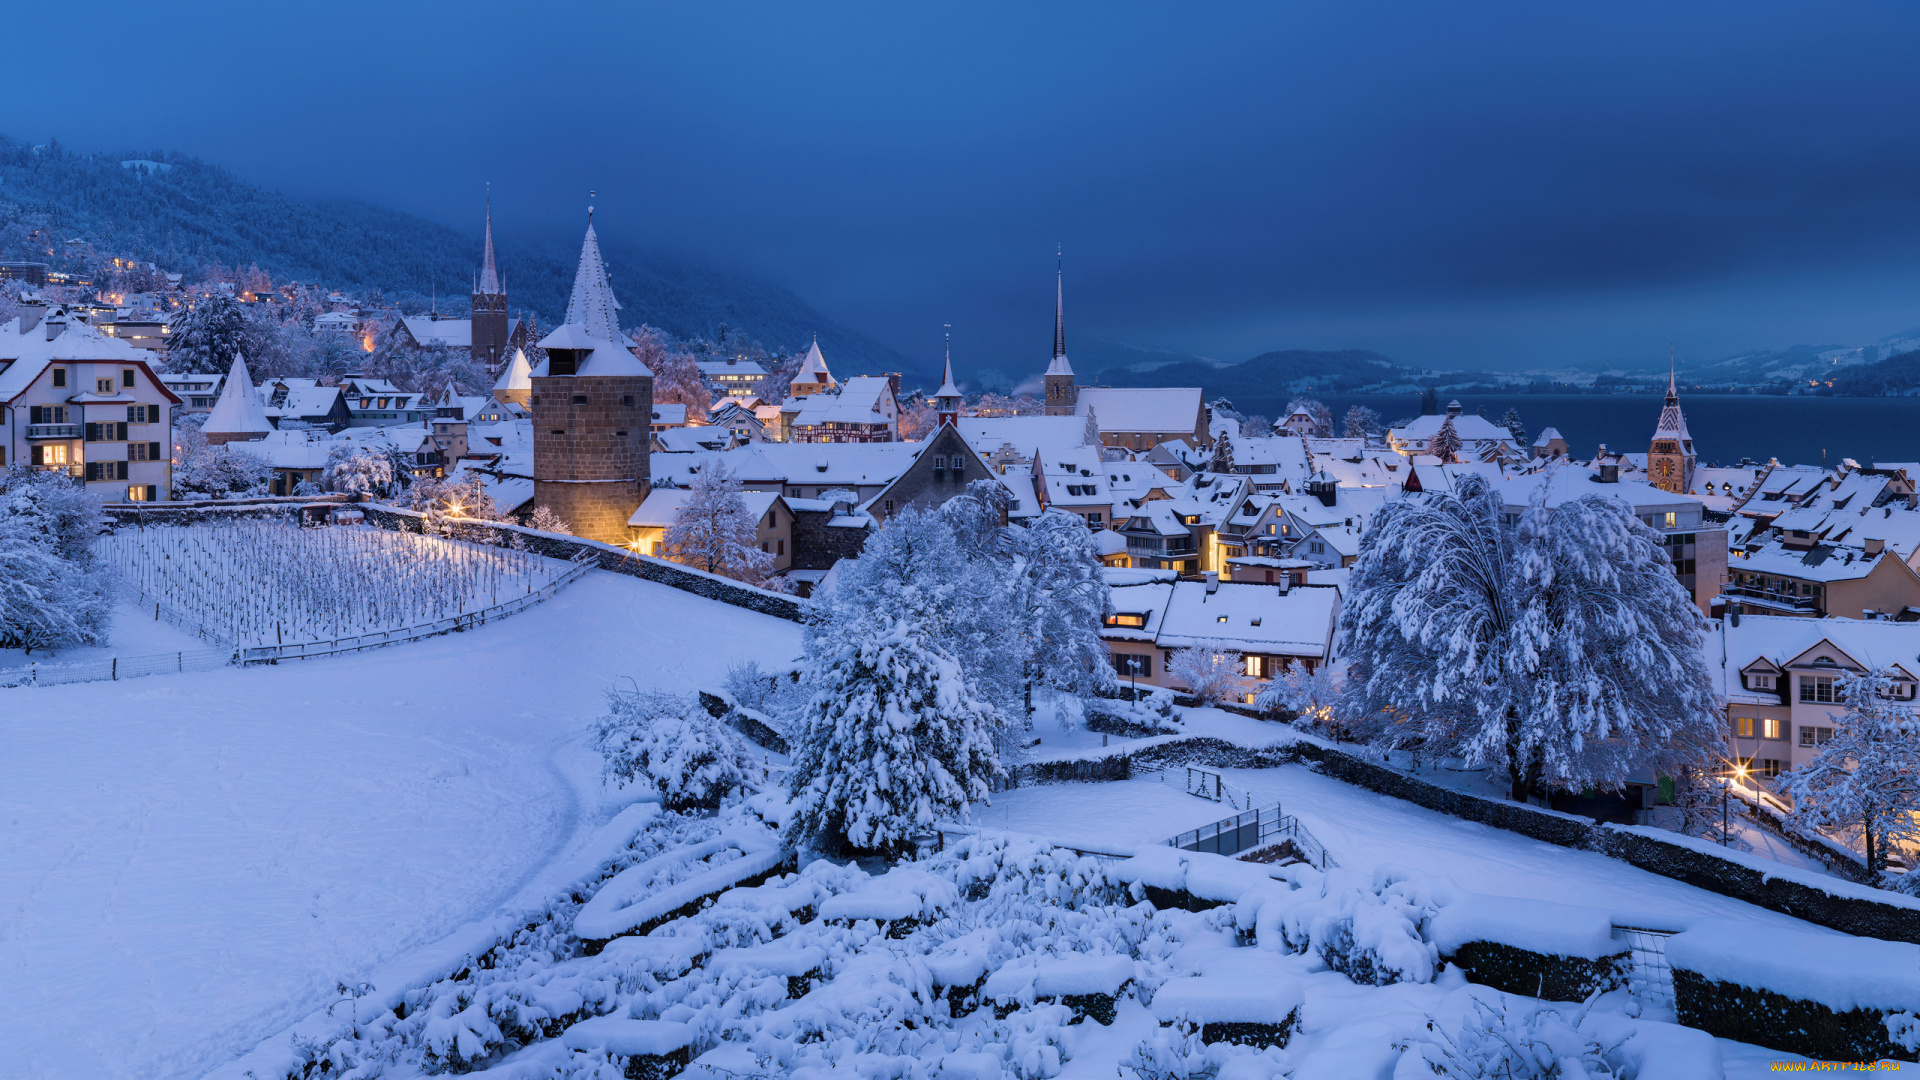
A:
(1743, 727)
(1770, 729)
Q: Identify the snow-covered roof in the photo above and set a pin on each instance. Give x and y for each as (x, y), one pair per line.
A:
(517, 375)
(289, 449)
(1547, 437)
(1073, 477)
(591, 306)
(605, 356)
(1255, 618)
(440, 333)
(1573, 482)
(1171, 410)
(664, 504)
(1286, 453)
(1470, 427)
(826, 465)
(732, 365)
(683, 440)
(1821, 562)
(1778, 639)
(238, 411)
(813, 369)
(669, 412)
(1024, 433)
(860, 400)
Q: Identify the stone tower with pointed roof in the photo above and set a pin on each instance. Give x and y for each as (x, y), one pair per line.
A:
(238, 415)
(488, 344)
(813, 376)
(1062, 394)
(1671, 459)
(592, 404)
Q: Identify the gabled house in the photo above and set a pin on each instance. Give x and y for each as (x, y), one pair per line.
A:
(1074, 480)
(942, 466)
(79, 402)
(1780, 678)
(1155, 617)
(1139, 419)
(864, 410)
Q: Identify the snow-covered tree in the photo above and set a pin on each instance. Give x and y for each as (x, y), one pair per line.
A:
(1515, 427)
(206, 471)
(1310, 695)
(713, 531)
(893, 739)
(208, 335)
(1317, 409)
(1561, 648)
(445, 500)
(1256, 427)
(676, 373)
(1361, 422)
(978, 518)
(669, 743)
(358, 470)
(1866, 779)
(917, 419)
(1445, 443)
(544, 519)
(53, 595)
(1058, 596)
(1222, 460)
(1212, 674)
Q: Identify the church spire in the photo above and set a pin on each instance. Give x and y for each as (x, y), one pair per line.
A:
(592, 305)
(947, 399)
(489, 277)
(1059, 366)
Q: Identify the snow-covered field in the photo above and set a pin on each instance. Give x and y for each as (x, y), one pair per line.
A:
(194, 861)
(135, 633)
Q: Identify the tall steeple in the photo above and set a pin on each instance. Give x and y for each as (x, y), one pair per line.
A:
(1671, 459)
(490, 327)
(947, 399)
(489, 277)
(1062, 394)
(592, 305)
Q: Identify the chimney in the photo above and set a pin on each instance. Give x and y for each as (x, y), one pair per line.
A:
(1609, 472)
(1213, 582)
(1874, 546)
(1285, 582)
(31, 313)
(55, 322)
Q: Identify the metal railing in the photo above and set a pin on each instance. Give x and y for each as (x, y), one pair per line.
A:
(118, 667)
(53, 431)
(1251, 831)
(1790, 600)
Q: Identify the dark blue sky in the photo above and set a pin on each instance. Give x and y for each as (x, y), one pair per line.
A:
(1463, 184)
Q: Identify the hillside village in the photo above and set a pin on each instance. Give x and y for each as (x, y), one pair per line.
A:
(834, 726)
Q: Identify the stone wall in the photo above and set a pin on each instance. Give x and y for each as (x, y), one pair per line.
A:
(590, 439)
(818, 544)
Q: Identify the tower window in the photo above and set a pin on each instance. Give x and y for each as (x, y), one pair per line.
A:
(557, 431)
(628, 400)
(579, 399)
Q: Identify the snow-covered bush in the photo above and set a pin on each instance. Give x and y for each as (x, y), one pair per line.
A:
(1309, 694)
(1369, 933)
(776, 695)
(1213, 675)
(1169, 1053)
(670, 744)
(1560, 647)
(203, 470)
(1507, 1038)
(545, 519)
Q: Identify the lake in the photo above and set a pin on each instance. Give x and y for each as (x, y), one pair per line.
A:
(1725, 427)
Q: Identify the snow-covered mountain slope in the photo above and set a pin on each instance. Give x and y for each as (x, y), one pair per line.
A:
(194, 861)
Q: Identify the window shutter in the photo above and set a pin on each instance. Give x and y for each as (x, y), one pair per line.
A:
(153, 451)
(119, 470)
(121, 433)
(93, 433)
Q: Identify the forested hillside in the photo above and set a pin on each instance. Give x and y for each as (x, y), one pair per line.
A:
(186, 214)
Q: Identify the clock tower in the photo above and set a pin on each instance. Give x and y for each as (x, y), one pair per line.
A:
(1671, 459)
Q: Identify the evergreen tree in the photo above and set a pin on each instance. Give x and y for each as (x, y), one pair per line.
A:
(893, 740)
(1361, 422)
(207, 336)
(1561, 648)
(1222, 460)
(714, 532)
(1445, 444)
(52, 593)
(1511, 421)
(1867, 777)
(1429, 401)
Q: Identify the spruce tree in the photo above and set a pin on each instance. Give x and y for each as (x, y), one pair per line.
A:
(1446, 443)
(893, 740)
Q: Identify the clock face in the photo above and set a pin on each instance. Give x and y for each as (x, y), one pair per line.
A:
(1663, 469)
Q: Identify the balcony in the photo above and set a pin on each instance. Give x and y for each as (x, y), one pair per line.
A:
(53, 431)
(1778, 600)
